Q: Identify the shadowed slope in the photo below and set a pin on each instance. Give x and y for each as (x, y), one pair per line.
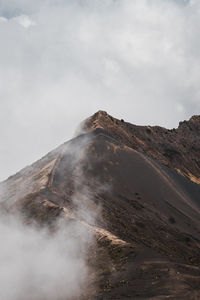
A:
(145, 216)
(176, 148)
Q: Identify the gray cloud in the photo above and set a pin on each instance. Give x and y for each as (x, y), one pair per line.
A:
(60, 61)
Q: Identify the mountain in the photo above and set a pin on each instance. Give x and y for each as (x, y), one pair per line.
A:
(136, 188)
(168, 147)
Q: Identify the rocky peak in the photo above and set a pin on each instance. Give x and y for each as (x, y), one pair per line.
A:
(192, 125)
(99, 120)
(176, 148)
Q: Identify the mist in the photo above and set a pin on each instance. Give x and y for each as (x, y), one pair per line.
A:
(49, 260)
(61, 61)
(36, 264)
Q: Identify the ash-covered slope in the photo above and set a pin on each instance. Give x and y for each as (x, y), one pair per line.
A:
(176, 148)
(113, 179)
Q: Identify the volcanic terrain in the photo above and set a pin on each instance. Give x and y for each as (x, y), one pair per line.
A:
(139, 189)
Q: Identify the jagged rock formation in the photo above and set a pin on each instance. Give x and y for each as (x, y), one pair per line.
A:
(144, 214)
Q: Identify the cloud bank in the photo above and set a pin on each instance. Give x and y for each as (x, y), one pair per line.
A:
(63, 60)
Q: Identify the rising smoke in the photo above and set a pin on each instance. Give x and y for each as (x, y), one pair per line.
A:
(40, 263)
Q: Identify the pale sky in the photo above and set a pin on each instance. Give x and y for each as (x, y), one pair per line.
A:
(62, 60)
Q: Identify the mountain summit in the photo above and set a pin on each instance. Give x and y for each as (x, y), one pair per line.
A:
(176, 148)
(136, 189)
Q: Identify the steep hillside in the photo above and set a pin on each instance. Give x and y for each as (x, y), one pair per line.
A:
(176, 148)
(118, 180)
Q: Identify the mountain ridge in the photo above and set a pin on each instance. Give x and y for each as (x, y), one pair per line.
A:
(168, 146)
(143, 214)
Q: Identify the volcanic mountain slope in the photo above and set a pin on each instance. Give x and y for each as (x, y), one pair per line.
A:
(176, 148)
(144, 214)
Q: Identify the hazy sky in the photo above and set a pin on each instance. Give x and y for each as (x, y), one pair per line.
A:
(62, 60)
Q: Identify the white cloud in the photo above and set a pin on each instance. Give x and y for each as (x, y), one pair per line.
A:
(136, 59)
(24, 21)
(3, 20)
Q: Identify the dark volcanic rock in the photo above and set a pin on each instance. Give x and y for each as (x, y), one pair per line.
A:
(176, 148)
(146, 215)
